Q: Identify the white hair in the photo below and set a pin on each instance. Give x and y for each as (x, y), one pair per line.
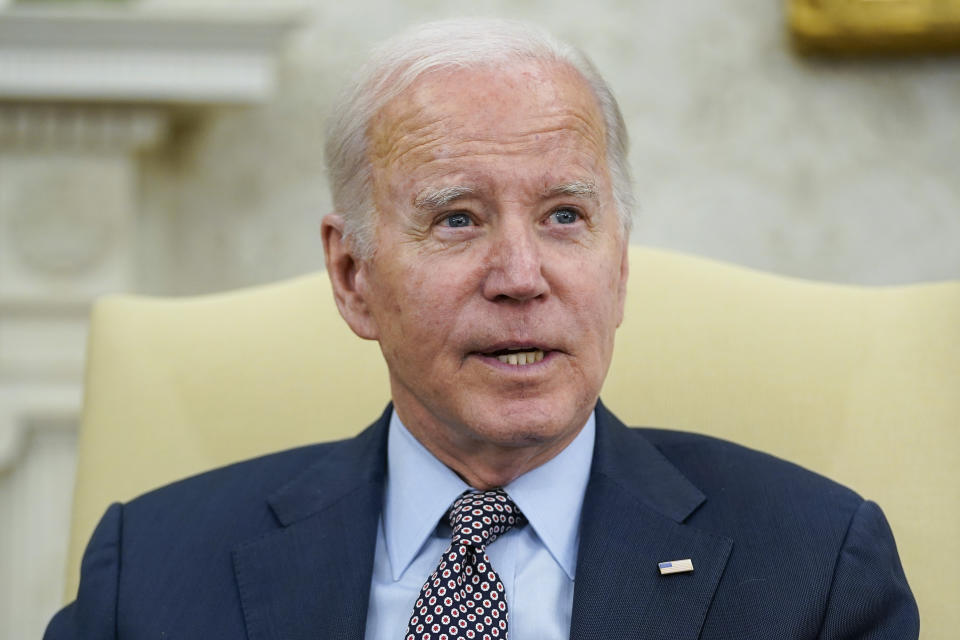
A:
(460, 44)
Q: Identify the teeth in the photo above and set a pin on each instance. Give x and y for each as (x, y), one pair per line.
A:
(521, 357)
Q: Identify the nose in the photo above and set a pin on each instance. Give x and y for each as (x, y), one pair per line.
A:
(515, 267)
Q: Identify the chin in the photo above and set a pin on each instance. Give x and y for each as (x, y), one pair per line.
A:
(528, 422)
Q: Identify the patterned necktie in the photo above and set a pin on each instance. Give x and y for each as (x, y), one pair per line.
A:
(463, 597)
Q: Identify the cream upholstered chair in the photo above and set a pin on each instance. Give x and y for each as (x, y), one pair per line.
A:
(861, 384)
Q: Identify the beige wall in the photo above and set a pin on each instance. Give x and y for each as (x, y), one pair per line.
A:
(844, 171)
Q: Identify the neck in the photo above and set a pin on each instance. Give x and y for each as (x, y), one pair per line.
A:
(490, 469)
(484, 462)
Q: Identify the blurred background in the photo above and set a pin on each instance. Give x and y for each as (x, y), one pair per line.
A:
(174, 148)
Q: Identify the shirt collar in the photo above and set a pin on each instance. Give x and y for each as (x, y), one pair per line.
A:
(550, 496)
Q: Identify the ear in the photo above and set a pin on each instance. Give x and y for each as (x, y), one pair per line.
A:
(624, 276)
(349, 276)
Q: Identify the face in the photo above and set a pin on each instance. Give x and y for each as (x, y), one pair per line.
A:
(499, 275)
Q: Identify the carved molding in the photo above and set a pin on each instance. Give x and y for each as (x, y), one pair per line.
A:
(56, 242)
(82, 91)
(35, 498)
(24, 408)
(67, 213)
(62, 216)
(141, 55)
(38, 126)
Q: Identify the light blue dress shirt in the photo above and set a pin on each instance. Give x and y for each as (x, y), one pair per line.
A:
(536, 562)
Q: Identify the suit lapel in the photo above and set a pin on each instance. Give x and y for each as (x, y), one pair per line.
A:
(311, 577)
(633, 519)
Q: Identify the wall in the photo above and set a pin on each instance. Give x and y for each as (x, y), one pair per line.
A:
(846, 171)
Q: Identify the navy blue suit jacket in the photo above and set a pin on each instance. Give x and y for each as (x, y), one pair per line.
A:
(282, 547)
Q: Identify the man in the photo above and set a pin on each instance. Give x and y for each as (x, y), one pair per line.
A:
(480, 233)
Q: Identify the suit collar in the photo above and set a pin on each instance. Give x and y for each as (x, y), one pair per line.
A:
(633, 519)
(343, 469)
(627, 459)
(311, 577)
(621, 455)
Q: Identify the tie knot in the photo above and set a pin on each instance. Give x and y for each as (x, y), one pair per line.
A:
(479, 517)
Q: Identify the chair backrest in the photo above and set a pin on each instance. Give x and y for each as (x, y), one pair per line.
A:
(860, 384)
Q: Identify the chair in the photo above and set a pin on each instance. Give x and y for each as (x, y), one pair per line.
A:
(860, 384)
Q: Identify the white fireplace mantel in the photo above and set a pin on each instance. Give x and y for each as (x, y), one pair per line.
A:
(82, 92)
(130, 55)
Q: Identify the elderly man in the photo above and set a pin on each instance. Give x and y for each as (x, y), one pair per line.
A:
(482, 210)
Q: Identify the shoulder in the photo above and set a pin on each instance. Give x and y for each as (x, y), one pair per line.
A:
(222, 504)
(798, 537)
(713, 463)
(244, 488)
(255, 476)
(757, 496)
(177, 539)
(177, 542)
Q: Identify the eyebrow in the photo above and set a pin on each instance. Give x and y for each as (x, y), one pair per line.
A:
(435, 199)
(577, 188)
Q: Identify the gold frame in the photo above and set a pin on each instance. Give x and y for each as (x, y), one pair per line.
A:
(874, 26)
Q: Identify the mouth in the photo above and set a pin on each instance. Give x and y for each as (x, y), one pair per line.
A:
(519, 356)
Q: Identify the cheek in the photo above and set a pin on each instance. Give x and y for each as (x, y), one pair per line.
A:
(418, 309)
(597, 298)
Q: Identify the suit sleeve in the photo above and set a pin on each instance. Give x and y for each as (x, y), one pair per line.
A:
(870, 598)
(93, 615)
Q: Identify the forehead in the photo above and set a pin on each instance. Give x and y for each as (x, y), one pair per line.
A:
(524, 109)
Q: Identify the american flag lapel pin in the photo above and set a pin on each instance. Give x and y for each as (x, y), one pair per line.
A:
(676, 566)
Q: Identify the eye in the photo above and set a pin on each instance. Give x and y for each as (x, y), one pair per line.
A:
(458, 219)
(565, 216)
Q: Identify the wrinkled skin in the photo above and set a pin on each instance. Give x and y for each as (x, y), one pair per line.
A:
(496, 229)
